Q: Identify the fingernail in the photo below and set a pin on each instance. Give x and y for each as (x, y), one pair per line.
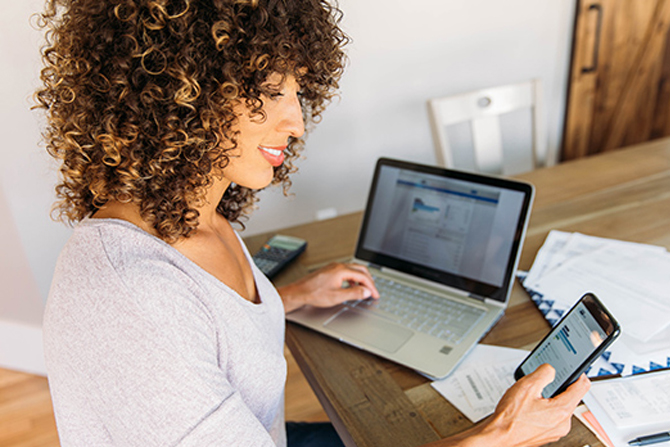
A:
(367, 293)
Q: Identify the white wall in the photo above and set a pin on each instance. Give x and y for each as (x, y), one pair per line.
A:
(402, 54)
(29, 240)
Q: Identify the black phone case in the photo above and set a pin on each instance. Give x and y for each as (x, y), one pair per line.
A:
(590, 359)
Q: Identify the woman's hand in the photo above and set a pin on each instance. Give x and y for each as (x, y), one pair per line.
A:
(523, 417)
(330, 286)
(533, 420)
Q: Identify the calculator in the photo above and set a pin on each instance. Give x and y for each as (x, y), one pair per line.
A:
(277, 253)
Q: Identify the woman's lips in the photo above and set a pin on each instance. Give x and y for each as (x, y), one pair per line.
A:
(274, 155)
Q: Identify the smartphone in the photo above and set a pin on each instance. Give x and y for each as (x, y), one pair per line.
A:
(573, 344)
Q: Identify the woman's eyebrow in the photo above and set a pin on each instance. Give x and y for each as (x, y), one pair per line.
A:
(272, 85)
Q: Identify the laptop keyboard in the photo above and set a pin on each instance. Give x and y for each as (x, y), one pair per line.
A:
(423, 311)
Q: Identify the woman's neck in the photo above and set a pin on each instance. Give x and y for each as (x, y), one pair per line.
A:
(130, 212)
(208, 218)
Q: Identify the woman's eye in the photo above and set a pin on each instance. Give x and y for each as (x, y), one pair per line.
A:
(276, 95)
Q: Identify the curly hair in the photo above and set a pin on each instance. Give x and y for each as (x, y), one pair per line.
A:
(139, 96)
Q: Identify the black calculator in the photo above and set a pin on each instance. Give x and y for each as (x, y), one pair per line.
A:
(277, 253)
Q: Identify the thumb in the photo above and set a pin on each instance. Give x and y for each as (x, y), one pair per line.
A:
(541, 377)
(355, 292)
(575, 392)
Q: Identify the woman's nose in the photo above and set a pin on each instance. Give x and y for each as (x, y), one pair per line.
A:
(292, 121)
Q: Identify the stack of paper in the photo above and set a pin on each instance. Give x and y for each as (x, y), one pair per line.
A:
(632, 280)
(631, 407)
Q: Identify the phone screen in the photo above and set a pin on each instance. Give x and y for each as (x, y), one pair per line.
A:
(573, 343)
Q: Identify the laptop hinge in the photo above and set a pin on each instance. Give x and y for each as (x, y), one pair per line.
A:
(477, 297)
(490, 301)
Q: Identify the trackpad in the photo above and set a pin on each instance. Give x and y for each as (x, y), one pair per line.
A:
(369, 329)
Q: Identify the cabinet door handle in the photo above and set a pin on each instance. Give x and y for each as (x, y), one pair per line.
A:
(596, 46)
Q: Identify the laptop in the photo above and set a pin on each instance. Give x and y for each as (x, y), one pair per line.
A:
(443, 246)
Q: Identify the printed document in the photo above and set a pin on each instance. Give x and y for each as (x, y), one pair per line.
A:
(631, 407)
(476, 386)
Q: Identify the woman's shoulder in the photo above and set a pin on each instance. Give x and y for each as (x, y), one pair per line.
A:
(115, 255)
(117, 239)
(110, 267)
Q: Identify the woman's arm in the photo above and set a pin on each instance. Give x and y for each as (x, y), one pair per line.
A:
(329, 286)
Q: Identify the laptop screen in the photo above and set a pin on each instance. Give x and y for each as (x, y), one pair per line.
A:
(460, 229)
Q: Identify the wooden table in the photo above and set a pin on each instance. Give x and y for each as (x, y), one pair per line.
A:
(372, 402)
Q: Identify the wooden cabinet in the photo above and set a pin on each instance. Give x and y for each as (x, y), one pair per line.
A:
(619, 91)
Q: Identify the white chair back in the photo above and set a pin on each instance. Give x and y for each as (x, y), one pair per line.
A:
(495, 130)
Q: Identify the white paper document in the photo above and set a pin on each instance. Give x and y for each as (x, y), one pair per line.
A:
(561, 246)
(636, 401)
(631, 407)
(619, 280)
(476, 386)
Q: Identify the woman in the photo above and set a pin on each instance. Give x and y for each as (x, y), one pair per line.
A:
(166, 117)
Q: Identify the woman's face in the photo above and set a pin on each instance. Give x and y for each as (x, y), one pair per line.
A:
(261, 143)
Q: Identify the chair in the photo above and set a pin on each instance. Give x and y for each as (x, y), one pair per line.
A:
(494, 131)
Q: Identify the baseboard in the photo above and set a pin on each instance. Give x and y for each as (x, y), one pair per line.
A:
(21, 348)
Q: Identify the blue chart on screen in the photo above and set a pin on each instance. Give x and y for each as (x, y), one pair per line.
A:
(563, 336)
